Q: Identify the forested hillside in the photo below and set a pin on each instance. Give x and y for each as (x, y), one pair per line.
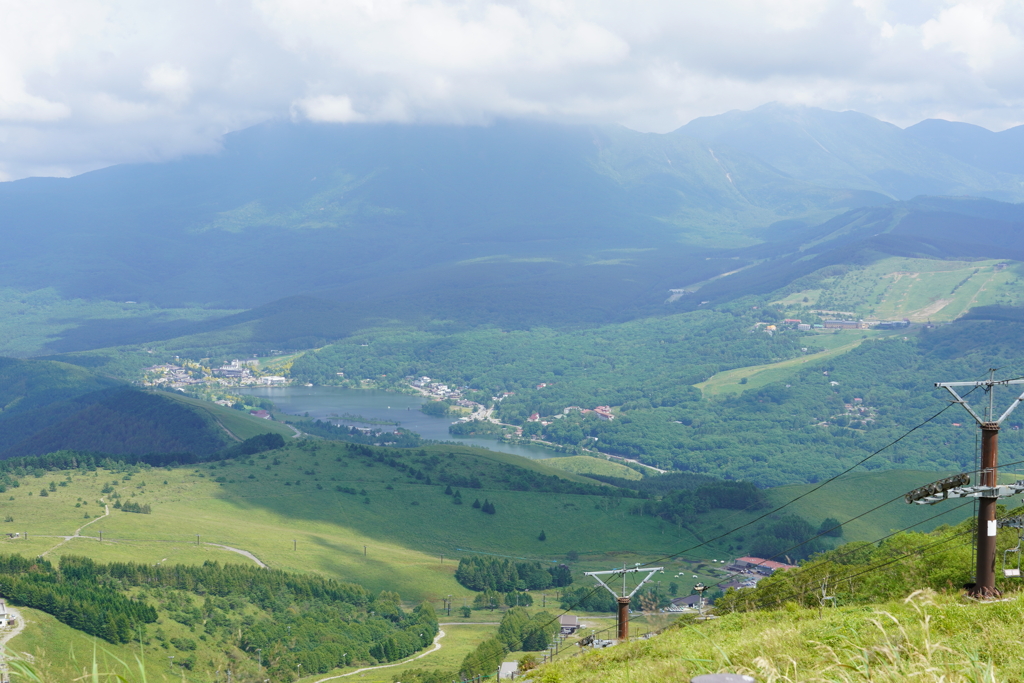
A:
(117, 421)
(822, 417)
(295, 621)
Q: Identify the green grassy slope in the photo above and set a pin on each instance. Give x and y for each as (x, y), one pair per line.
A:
(295, 520)
(330, 529)
(585, 464)
(929, 639)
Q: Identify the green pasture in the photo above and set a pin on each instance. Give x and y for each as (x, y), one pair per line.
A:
(308, 526)
(586, 464)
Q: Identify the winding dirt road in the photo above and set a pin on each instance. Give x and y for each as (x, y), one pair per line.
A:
(78, 531)
(437, 646)
(246, 553)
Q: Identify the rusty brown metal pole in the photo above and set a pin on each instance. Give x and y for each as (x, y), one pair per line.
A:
(985, 571)
(623, 618)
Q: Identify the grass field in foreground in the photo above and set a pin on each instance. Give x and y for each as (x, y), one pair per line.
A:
(927, 638)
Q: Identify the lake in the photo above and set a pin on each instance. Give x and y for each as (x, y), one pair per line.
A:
(373, 404)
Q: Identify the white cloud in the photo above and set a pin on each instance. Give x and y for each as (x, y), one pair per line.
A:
(172, 83)
(85, 83)
(327, 109)
(975, 30)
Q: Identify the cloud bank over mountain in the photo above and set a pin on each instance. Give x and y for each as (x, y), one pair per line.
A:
(89, 83)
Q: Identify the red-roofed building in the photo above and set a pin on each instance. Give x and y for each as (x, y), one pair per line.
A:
(762, 565)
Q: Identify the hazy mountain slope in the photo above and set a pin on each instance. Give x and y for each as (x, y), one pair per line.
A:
(977, 146)
(926, 227)
(286, 209)
(853, 150)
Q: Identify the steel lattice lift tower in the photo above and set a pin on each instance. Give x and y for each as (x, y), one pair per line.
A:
(988, 491)
(624, 599)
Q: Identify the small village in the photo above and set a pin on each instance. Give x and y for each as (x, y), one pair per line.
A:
(189, 373)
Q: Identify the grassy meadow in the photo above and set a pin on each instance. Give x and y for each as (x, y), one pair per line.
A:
(291, 517)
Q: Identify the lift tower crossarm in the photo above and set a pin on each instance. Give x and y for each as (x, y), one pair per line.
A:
(651, 571)
(989, 385)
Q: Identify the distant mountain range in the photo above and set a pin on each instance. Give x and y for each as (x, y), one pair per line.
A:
(332, 228)
(854, 151)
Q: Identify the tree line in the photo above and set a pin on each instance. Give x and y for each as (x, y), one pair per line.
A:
(504, 575)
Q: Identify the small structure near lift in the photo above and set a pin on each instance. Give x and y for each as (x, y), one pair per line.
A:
(568, 624)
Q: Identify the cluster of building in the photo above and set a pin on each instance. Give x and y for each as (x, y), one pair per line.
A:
(166, 374)
(435, 389)
(235, 373)
(602, 412)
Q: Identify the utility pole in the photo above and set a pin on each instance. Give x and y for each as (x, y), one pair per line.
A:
(988, 490)
(295, 544)
(700, 588)
(624, 598)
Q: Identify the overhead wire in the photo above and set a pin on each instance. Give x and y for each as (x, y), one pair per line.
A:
(787, 504)
(806, 493)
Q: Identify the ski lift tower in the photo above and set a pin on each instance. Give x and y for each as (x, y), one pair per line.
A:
(624, 598)
(988, 490)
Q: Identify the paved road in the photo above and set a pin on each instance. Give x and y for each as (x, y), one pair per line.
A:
(437, 646)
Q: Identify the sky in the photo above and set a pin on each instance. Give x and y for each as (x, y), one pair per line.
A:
(89, 83)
